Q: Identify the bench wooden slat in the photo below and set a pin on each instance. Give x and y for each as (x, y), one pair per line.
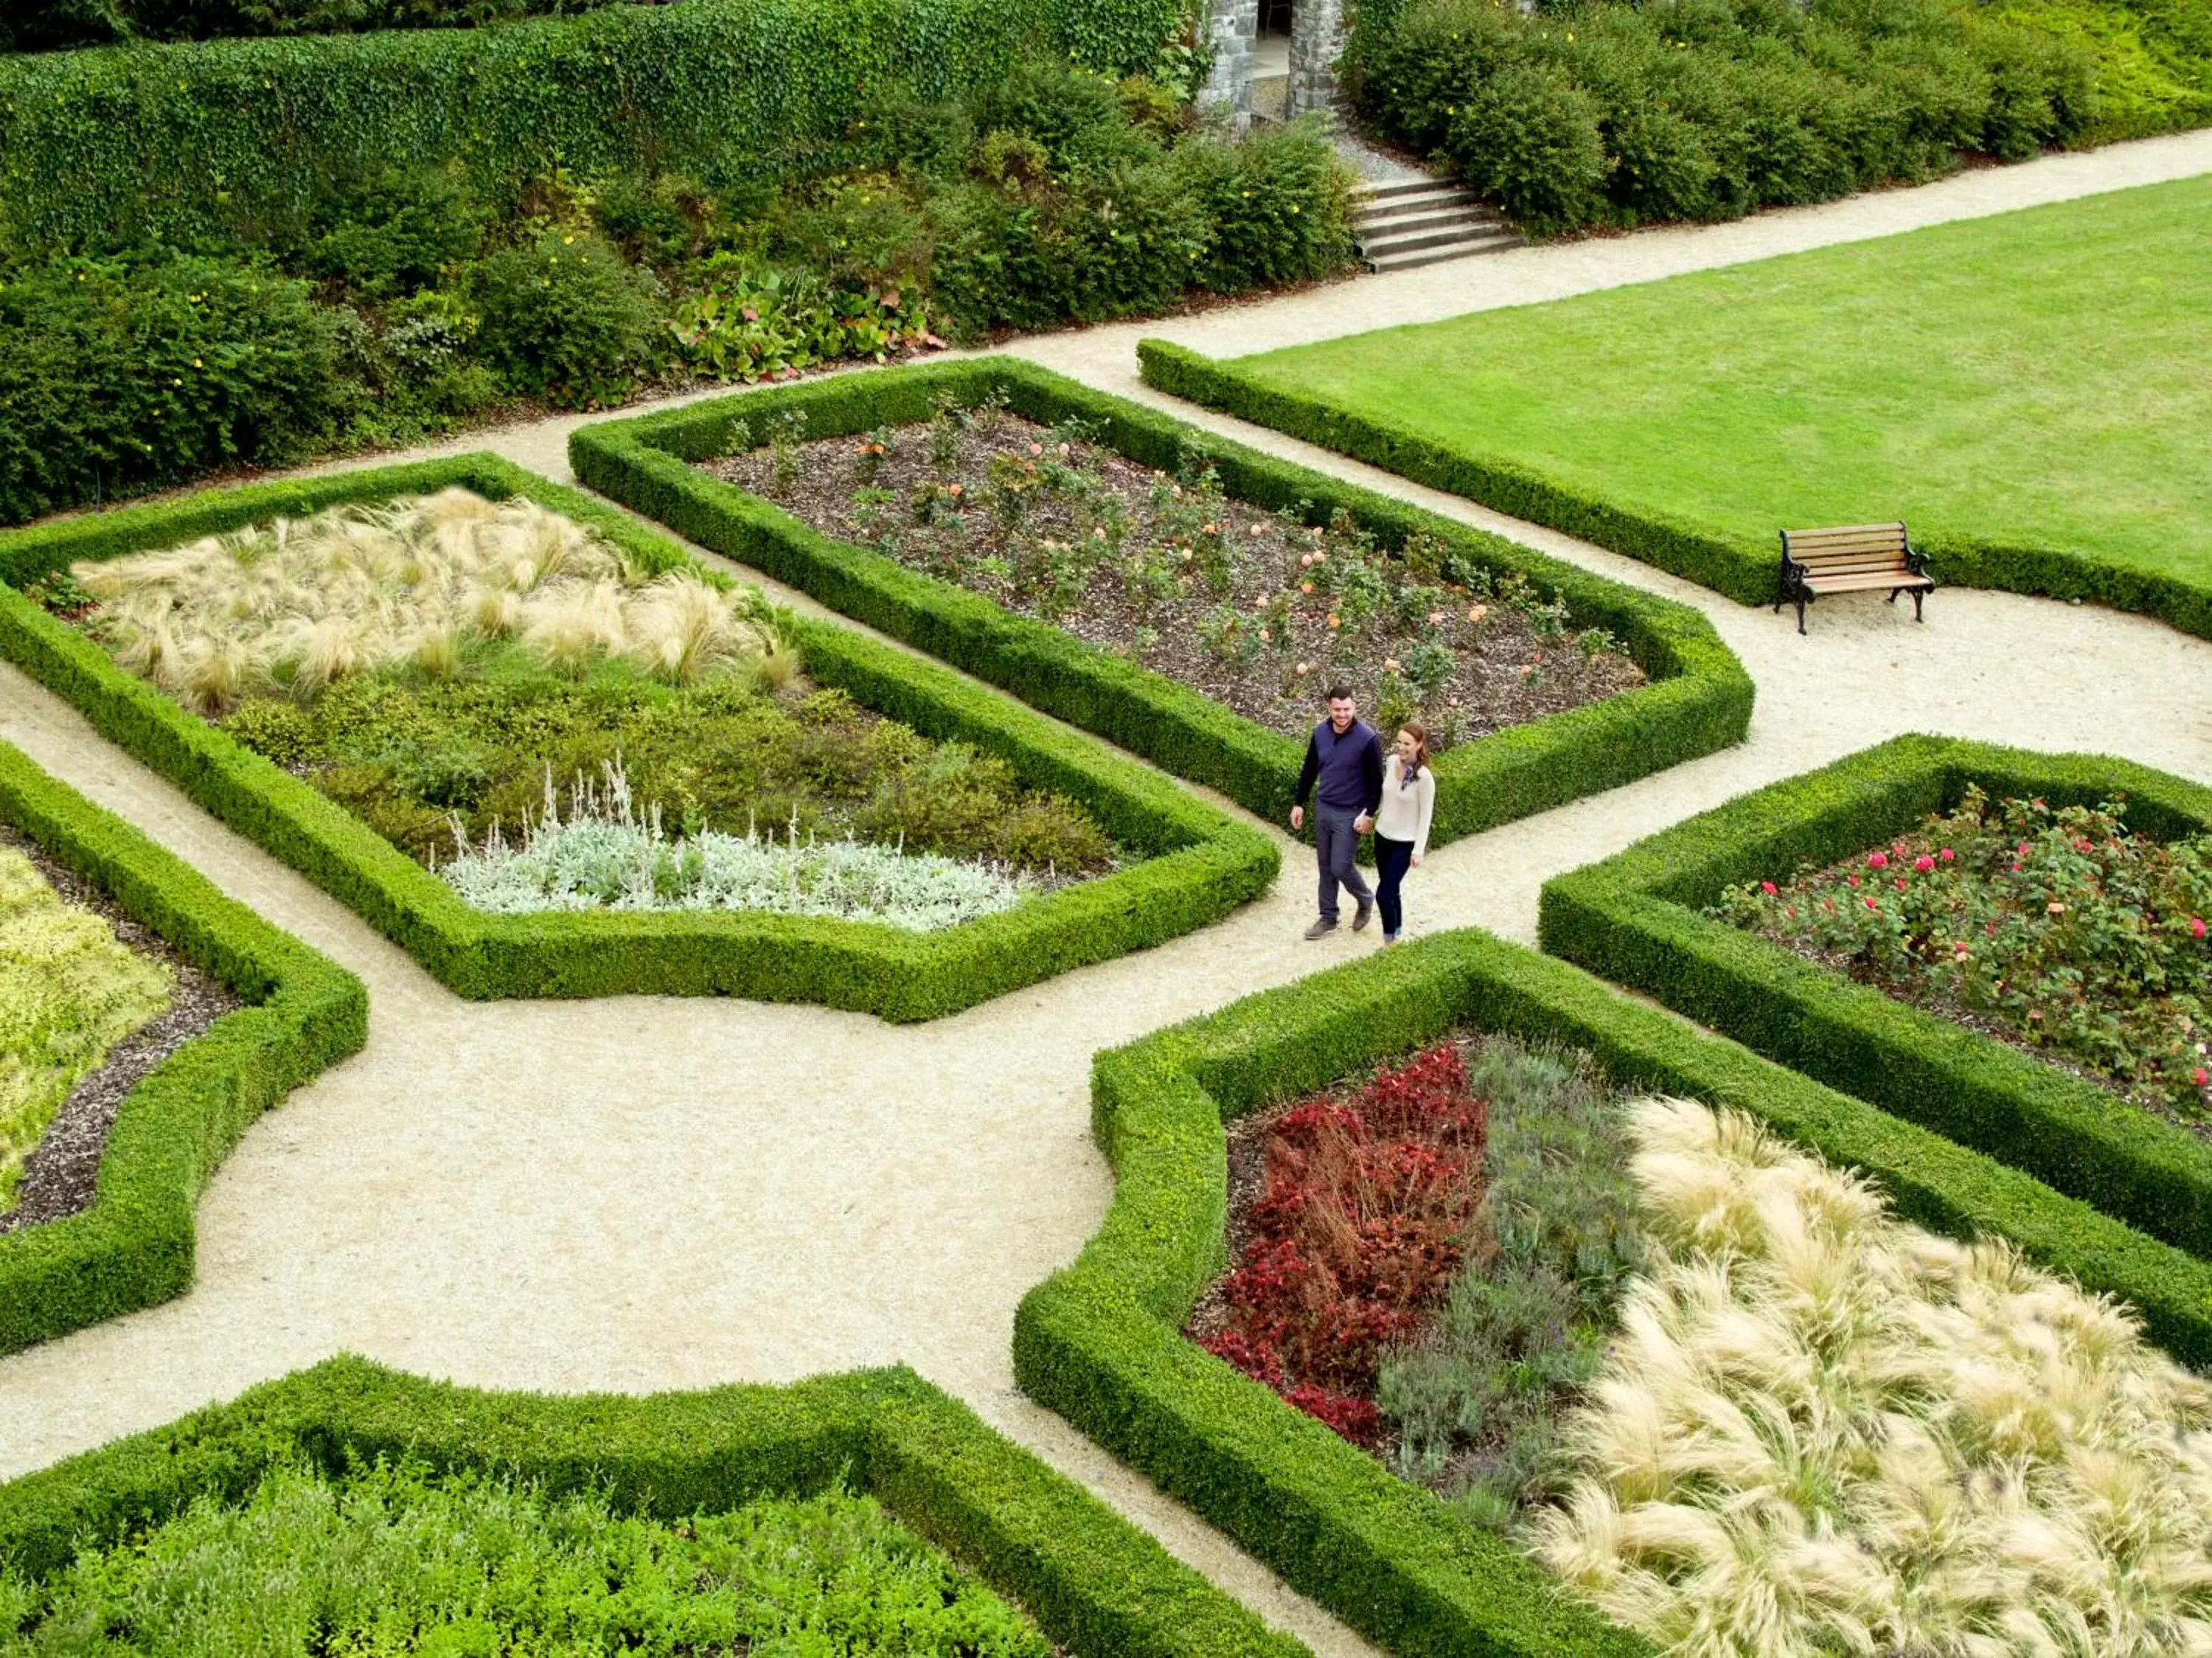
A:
(1867, 582)
(1893, 528)
(1891, 546)
(1849, 566)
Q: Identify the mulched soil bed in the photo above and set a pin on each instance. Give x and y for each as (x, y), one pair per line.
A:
(1515, 659)
(61, 1173)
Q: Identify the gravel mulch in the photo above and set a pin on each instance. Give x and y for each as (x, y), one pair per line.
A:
(1146, 592)
(61, 1173)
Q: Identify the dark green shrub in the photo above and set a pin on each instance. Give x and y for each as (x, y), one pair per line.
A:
(93, 22)
(563, 317)
(1077, 116)
(1529, 137)
(1661, 168)
(1275, 206)
(393, 232)
(120, 377)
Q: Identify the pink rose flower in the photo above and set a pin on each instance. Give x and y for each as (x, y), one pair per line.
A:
(1923, 863)
(1768, 887)
(1877, 860)
(1948, 854)
(1870, 903)
(2197, 926)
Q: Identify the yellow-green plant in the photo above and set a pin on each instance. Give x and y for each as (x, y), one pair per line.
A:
(419, 581)
(69, 990)
(1823, 1431)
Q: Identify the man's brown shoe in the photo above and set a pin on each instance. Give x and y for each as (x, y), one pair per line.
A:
(1321, 930)
(1362, 917)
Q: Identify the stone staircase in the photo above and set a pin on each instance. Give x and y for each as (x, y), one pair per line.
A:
(1398, 226)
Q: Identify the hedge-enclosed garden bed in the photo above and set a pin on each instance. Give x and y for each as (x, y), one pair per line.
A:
(133, 1246)
(1638, 918)
(1102, 1342)
(1196, 864)
(1093, 1582)
(1699, 699)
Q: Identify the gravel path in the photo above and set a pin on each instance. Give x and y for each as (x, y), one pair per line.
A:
(640, 1194)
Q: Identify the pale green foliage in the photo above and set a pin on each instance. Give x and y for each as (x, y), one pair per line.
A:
(417, 580)
(68, 992)
(387, 1563)
(608, 855)
(1823, 1431)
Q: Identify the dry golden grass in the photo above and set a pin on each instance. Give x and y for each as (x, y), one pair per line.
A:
(419, 581)
(1823, 1431)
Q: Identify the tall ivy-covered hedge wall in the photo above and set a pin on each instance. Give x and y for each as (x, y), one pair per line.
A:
(219, 138)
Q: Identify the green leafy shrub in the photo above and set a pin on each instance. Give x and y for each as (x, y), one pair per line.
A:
(469, 1562)
(2080, 936)
(2154, 58)
(121, 376)
(1275, 210)
(563, 317)
(392, 232)
(52, 23)
(1589, 113)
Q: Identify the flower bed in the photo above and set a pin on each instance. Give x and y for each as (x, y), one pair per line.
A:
(99, 1251)
(1103, 1341)
(652, 1470)
(1639, 918)
(1195, 864)
(2051, 927)
(469, 1562)
(446, 666)
(1698, 697)
(1256, 611)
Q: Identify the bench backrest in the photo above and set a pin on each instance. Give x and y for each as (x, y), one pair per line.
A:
(1847, 548)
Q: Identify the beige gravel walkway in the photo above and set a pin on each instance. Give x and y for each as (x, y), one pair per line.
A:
(643, 1194)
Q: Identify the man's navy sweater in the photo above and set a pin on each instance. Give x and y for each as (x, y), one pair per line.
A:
(1349, 767)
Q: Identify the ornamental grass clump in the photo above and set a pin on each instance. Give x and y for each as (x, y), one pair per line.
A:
(609, 855)
(428, 582)
(1822, 1431)
(2057, 926)
(69, 990)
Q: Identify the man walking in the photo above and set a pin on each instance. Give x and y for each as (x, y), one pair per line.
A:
(1345, 758)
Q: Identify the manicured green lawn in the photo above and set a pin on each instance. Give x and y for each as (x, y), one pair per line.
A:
(2041, 379)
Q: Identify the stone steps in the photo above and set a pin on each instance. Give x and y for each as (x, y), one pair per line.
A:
(1422, 222)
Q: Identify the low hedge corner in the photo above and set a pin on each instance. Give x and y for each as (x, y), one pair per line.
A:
(1101, 1342)
(1699, 699)
(133, 1247)
(1200, 863)
(1093, 1582)
(1635, 918)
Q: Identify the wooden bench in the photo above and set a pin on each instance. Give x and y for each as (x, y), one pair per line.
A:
(1850, 558)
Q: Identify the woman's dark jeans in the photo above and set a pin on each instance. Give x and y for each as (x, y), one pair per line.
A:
(1391, 859)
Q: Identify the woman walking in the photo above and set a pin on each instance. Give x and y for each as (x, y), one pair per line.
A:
(1401, 824)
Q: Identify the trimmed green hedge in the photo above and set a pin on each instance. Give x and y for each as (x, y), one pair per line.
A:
(1200, 863)
(1698, 700)
(179, 143)
(1741, 570)
(1634, 918)
(1101, 1344)
(1094, 1583)
(134, 1246)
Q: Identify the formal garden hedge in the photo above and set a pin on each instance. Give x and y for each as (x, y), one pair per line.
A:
(1635, 918)
(1197, 864)
(203, 140)
(1740, 568)
(1698, 700)
(1093, 1582)
(134, 1246)
(1101, 1342)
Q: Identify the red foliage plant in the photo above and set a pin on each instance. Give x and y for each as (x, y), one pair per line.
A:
(1363, 1221)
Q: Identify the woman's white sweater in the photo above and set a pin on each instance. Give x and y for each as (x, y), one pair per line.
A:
(1406, 809)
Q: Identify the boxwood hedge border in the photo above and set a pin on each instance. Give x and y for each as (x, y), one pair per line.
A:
(1698, 700)
(1100, 1341)
(1200, 864)
(134, 1246)
(1741, 570)
(1635, 918)
(1091, 1581)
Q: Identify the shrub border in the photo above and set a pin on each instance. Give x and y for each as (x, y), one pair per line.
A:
(1202, 863)
(134, 1246)
(1699, 699)
(1634, 918)
(1734, 568)
(1091, 1581)
(1100, 1342)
